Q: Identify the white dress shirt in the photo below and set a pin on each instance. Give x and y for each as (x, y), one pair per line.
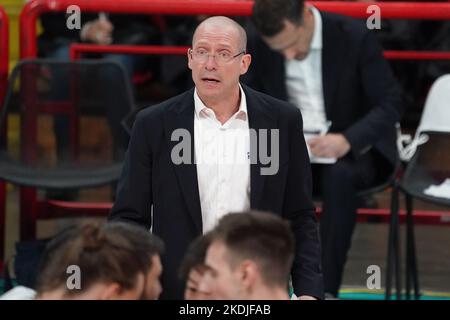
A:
(222, 156)
(19, 293)
(304, 81)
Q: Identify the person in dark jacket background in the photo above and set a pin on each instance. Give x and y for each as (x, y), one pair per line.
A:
(332, 68)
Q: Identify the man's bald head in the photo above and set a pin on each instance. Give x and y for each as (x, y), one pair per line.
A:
(223, 23)
(217, 79)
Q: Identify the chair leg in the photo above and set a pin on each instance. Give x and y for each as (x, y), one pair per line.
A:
(396, 242)
(411, 267)
(408, 202)
(392, 256)
(389, 261)
(387, 294)
(2, 220)
(415, 272)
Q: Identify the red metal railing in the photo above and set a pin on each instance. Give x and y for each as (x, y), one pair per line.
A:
(76, 49)
(59, 209)
(389, 10)
(28, 49)
(359, 10)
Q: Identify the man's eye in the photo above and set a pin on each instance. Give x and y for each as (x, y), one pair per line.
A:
(224, 55)
(201, 52)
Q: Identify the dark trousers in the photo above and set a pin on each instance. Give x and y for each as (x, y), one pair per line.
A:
(338, 185)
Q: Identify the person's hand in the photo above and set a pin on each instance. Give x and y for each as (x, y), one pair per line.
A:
(98, 31)
(304, 297)
(332, 145)
(102, 31)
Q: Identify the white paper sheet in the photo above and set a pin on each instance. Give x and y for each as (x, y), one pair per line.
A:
(439, 191)
(314, 159)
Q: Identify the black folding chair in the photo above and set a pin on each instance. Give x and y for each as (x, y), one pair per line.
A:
(429, 166)
(55, 105)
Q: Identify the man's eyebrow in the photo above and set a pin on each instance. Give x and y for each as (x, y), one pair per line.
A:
(208, 268)
(221, 46)
(224, 46)
(202, 43)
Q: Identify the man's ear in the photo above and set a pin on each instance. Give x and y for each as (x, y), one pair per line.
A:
(245, 63)
(249, 274)
(189, 59)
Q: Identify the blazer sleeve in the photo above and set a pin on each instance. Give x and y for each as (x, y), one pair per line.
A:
(382, 94)
(307, 278)
(134, 190)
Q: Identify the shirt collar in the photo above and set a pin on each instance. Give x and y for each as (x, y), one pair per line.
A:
(201, 109)
(316, 42)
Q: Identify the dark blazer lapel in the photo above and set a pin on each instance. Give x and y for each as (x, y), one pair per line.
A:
(181, 116)
(333, 54)
(259, 118)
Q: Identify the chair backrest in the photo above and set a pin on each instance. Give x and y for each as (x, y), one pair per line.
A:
(436, 113)
(61, 113)
(430, 164)
(435, 118)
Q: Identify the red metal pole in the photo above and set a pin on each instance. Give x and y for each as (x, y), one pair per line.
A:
(416, 55)
(28, 149)
(4, 61)
(4, 54)
(77, 48)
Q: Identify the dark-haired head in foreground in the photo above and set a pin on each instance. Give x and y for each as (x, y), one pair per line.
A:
(115, 261)
(193, 269)
(250, 257)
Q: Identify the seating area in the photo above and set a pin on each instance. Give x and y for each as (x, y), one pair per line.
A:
(92, 140)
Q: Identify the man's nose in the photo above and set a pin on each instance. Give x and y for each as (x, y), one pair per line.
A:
(211, 63)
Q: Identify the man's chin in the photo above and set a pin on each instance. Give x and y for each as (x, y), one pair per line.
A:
(209, 92)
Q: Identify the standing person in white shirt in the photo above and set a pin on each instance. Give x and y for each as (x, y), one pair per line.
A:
(217, 148)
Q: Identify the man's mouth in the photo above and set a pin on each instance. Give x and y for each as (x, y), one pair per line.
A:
(210, 80)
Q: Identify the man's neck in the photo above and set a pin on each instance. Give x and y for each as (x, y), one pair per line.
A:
(57, 294)
(224, 108)
(266, 293)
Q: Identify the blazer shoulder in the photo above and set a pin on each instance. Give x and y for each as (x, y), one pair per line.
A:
(354, 28)
(158, 110)
(271, 104)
